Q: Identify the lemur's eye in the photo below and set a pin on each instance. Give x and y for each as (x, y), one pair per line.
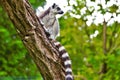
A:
(53, 6)
(58, 8)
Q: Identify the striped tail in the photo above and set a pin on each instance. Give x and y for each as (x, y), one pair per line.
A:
(66, 60)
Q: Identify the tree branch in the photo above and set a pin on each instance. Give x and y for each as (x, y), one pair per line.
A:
(33, 37)
(104, 65)
(104, 37)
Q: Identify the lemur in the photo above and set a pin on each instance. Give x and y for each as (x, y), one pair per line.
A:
(51, 25)
(49, 20)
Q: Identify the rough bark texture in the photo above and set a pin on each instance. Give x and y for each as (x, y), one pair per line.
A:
(33, 36)
(104, 66)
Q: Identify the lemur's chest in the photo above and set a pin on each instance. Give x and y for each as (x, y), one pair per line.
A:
(49, 20)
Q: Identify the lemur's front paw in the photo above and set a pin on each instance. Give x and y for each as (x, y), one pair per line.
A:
(47, 33)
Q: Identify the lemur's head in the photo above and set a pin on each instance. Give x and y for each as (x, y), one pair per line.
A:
(56, 9)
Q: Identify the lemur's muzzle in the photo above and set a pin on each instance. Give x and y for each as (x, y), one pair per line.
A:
(60, 12)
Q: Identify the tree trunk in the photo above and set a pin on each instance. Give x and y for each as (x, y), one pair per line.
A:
(33, 37)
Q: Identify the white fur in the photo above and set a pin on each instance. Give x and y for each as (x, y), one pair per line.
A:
(65, 55)
(61, 48)
(67, 62)
(57, 43)
(68, 70)
(67, 76)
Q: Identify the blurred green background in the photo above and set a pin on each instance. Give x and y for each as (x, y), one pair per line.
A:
(81, 35)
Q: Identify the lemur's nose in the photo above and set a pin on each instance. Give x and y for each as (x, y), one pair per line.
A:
(61, 12)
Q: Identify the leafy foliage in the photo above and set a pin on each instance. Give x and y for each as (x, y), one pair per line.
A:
(84, 42)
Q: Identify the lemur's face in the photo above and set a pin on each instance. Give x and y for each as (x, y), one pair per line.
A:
(56, 9)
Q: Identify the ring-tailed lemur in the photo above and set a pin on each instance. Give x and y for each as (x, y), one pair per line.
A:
(51, 25)
(49, 20)
(65, 59)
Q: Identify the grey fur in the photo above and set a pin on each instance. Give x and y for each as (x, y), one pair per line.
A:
(51, 24)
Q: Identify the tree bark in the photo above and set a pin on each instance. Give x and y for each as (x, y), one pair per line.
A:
(104, 64)
(33, 37)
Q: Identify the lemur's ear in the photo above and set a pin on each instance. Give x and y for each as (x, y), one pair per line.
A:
(53, 6)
